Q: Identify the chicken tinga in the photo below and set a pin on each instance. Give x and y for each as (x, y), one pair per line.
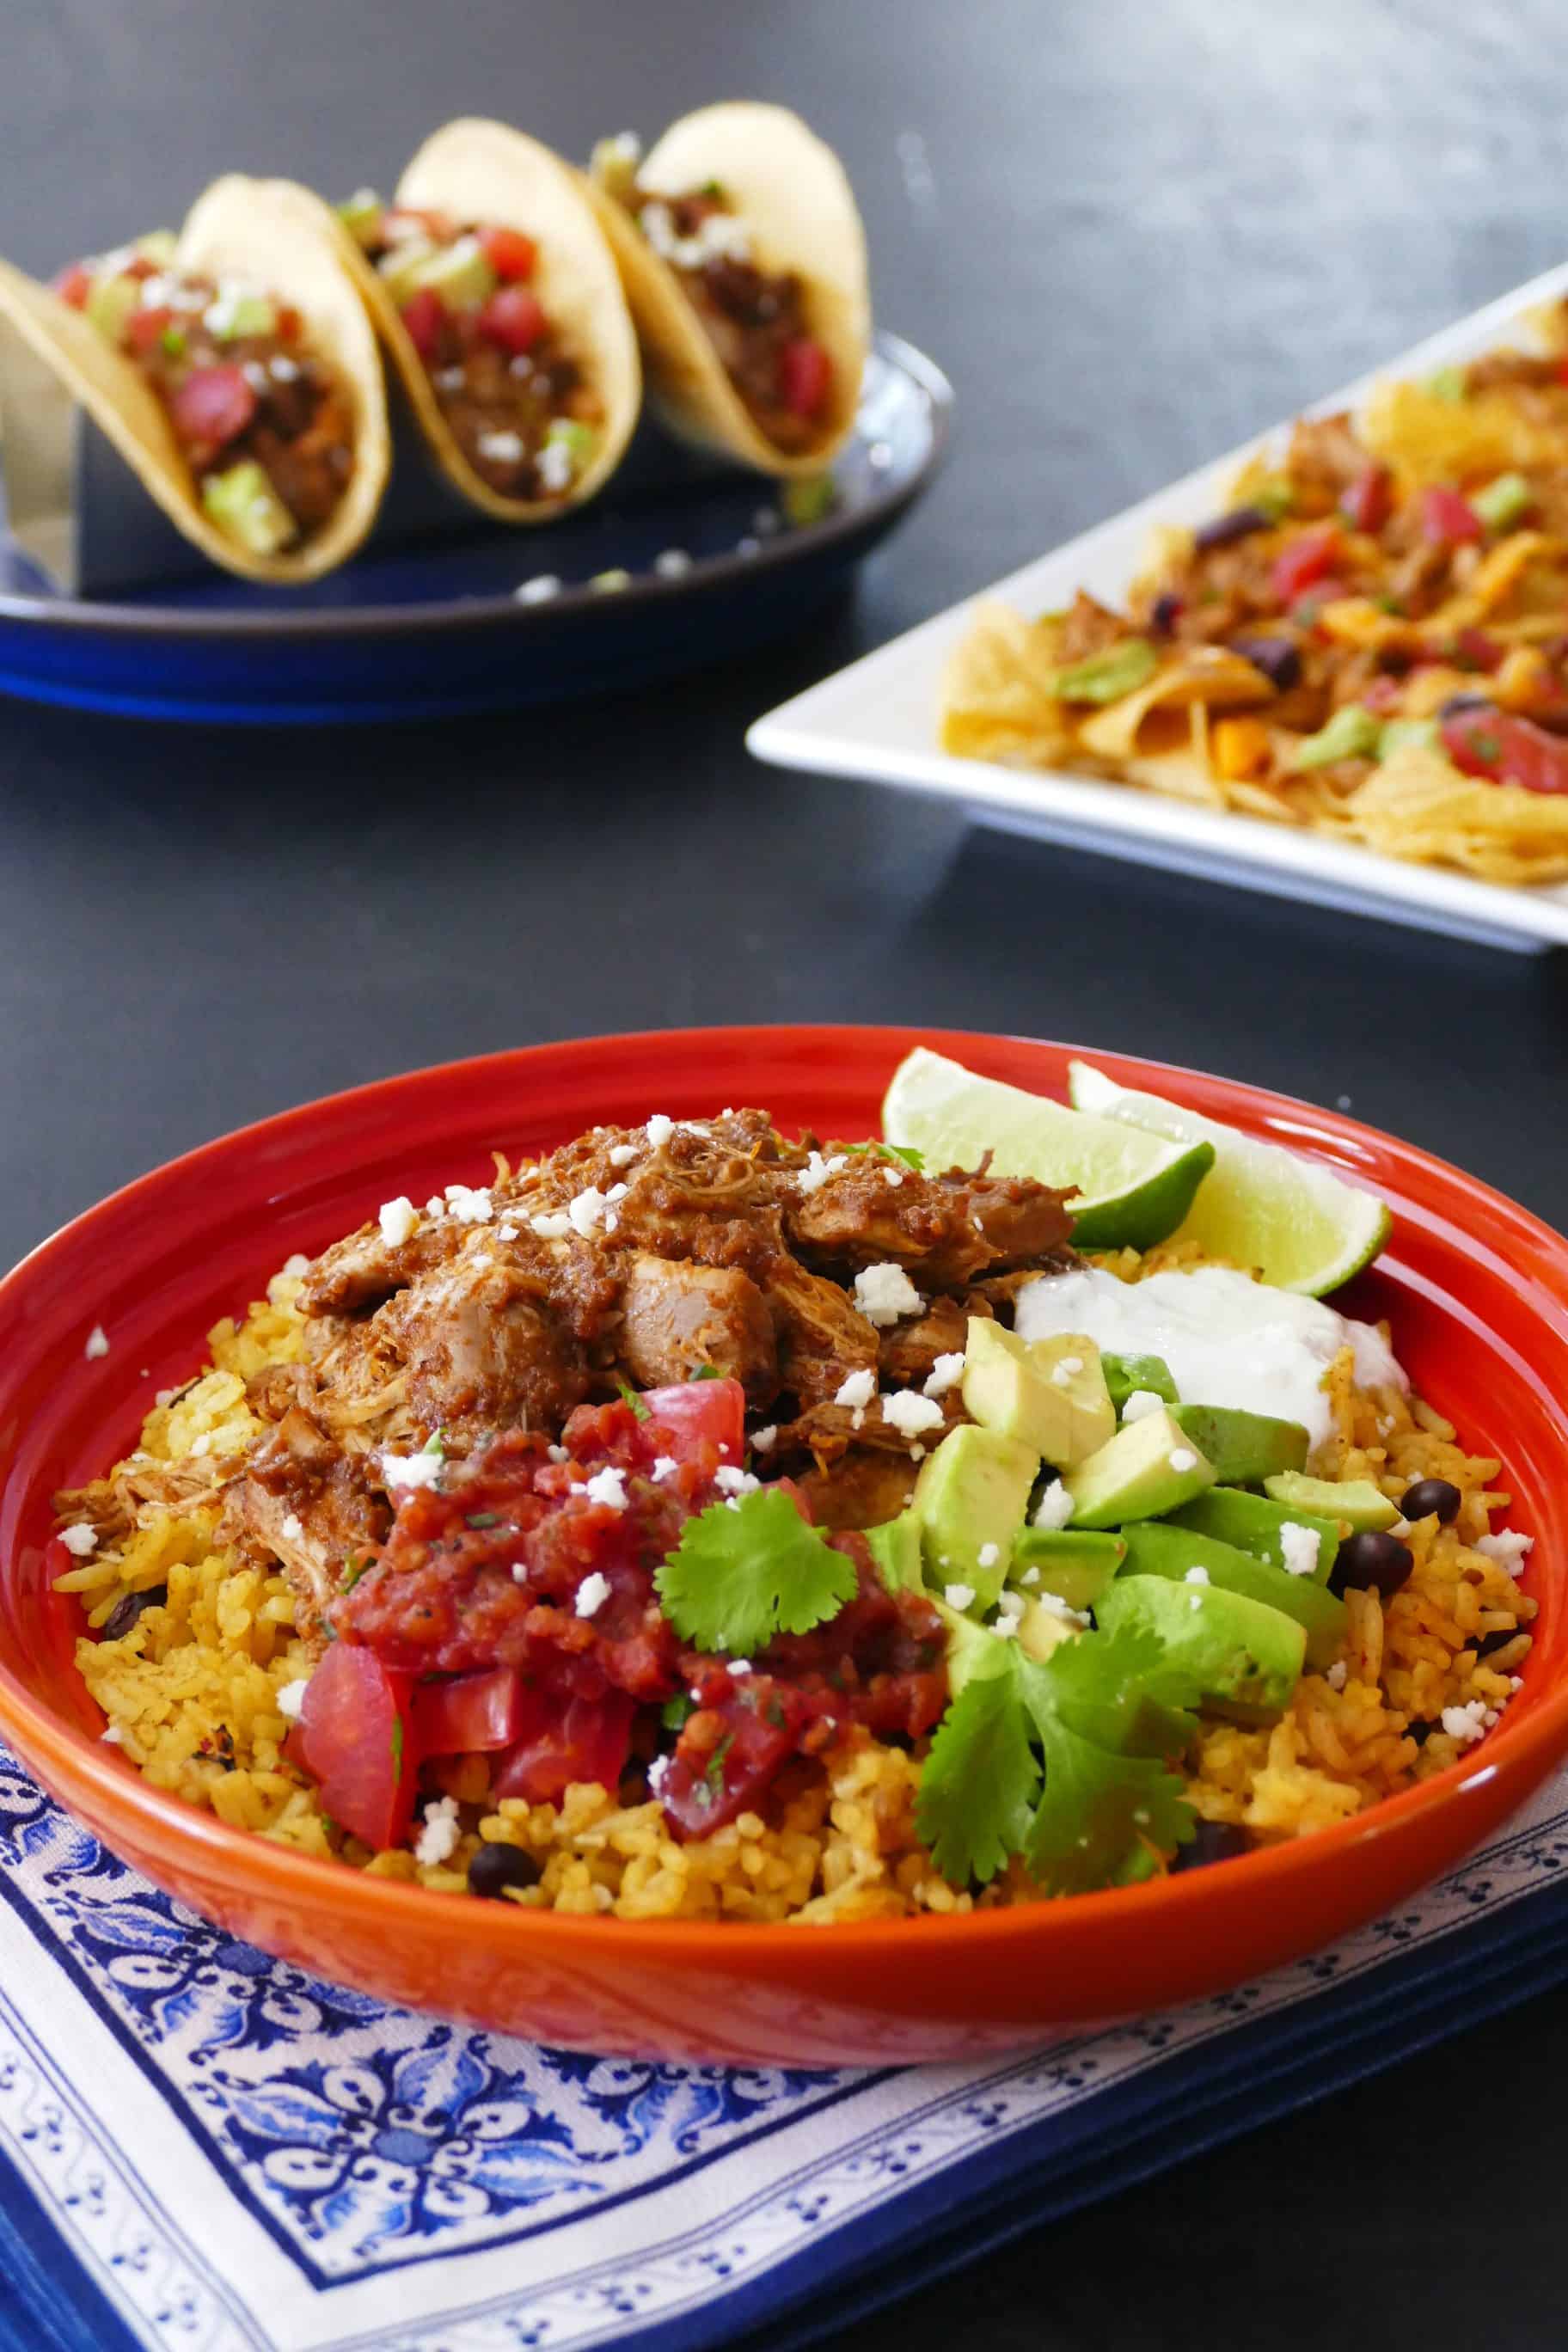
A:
(698, 1522)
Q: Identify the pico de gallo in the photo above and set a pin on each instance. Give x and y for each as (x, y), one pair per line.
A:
(513, 1611)
(755, 318)
(517, 401)
(261, 418)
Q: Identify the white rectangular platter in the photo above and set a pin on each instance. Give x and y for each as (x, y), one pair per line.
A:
(877, 719)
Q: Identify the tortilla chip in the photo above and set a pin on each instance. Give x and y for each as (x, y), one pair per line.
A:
(277, 235)
(994, 700)
(476, 170)
(1206, 674)
(1418, 806)
(792, 192)
(1429, 440)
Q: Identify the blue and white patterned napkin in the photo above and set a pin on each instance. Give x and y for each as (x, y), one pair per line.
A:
(202, 2150)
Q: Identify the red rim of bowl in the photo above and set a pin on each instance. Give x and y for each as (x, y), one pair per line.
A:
(1535, 1742)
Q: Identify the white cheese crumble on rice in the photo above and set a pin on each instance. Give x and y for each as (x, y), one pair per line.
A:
(409, 1470)
(885, 1292)
(111, 1736)
(959, 1596)
(289, 1697)
(1297, 1549)
(81, 1540)
(1338, 1675)
(437, 1840)
(856, 1389)
(1141, 1403)
(592, 1594)
(1507, 1548)
(944, 1374)
(97, 1342)
(608, 1486)
(1196, 1576)
(1053, 1509)
(1469, 1722)
(911, 1412)
(297, 1266)
(398, 1219)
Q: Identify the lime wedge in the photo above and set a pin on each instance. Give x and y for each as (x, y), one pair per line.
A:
(1135, 1188)
(1299, 1226)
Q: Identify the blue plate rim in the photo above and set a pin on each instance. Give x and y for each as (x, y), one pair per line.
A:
(67, 614)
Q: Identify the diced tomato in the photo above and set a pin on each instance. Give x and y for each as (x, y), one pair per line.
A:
(565, 1738)
(708, 1784)
(139, 266)
(74, 284)
(213, 405)
(509, 254)
(290, 325)
(1477, 651)
(353, 1738)
(1306, 559)
(1367, 504)
(1484, 742)
(1448, 518)
(513, 319)
(470, 1715)
(805, 373)
(144, 326)
(684, 1419)
(424, 316)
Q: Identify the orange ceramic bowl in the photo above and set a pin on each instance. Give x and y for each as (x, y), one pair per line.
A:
(1477, 1292)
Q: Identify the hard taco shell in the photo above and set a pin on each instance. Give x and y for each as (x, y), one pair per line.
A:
(487, 175)
(794, 195)
(277, 235)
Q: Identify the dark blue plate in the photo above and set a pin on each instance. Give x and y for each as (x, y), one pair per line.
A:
(442, 627)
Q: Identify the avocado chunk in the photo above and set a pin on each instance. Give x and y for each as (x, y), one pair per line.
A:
(1041, 1629)
(399, 269)
(1246, 1657)
(1157, 1549)
(1049, 1393)
(1253, 1523)
(459, 272)
(1124, 1374)
(972, 1651)
(234, 315)
(111, 304)
(243, 502)
(1075, 1564)
(970, 1499)
(361, 215)
(1150, 1466)
(895, 1550)
(1356, 1501)
(1246, 1448)
(160, 246)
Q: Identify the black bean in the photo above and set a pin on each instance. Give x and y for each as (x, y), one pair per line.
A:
(1431, 1498)
(1370, 1561)
(1457, 704)
(495, 1867)
(1420, 1732)
(1239, 523)
(1498, 1641)
(1213, 1842)
(1164, 612)
(129, 1607)
(1276, 657)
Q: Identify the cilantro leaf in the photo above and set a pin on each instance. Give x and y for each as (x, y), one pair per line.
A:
(980, 1782)
(744, 1572)
(675, 1711)
(904, 1152)
(628, 1396)
(706, 1372)
(1121, 1692)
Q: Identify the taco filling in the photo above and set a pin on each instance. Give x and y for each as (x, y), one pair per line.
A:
(263, 423)
(755, 318)
(515, 398)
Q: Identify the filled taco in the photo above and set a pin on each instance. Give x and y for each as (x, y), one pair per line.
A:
(233, 369)
(744, 261)
(494, 289)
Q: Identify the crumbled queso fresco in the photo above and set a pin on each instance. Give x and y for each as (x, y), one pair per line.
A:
(1055, 1506)
(1298, 1549)
(885, 1292)
(438, 1839)
(910, 1414)
(944, 1374)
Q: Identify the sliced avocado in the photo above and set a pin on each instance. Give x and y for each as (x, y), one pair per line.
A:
(1245, 1447)
(971, 1498)
(232, 316)
(972, 1651)
(1252, 1523)
(1356, 1501)
(459, 272)
(243, 502)
(1050, 1393)
(580, 439)
(1150, 1466)
(1074, 1563)
(398, 269)
(1041, 1629)
(361, 215)
(1125, 1374)
(613, 165)
(1157, 1549)
(111, 303)
(895, 1548)
(1246, 1657)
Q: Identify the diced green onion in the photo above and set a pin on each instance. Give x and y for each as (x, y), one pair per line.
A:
(1107, 677)
(1353, 733)
(1502, 501)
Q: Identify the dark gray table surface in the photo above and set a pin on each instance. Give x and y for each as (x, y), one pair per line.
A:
(1132, 233)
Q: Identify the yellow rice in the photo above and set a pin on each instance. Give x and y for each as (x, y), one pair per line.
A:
(191, 1693)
